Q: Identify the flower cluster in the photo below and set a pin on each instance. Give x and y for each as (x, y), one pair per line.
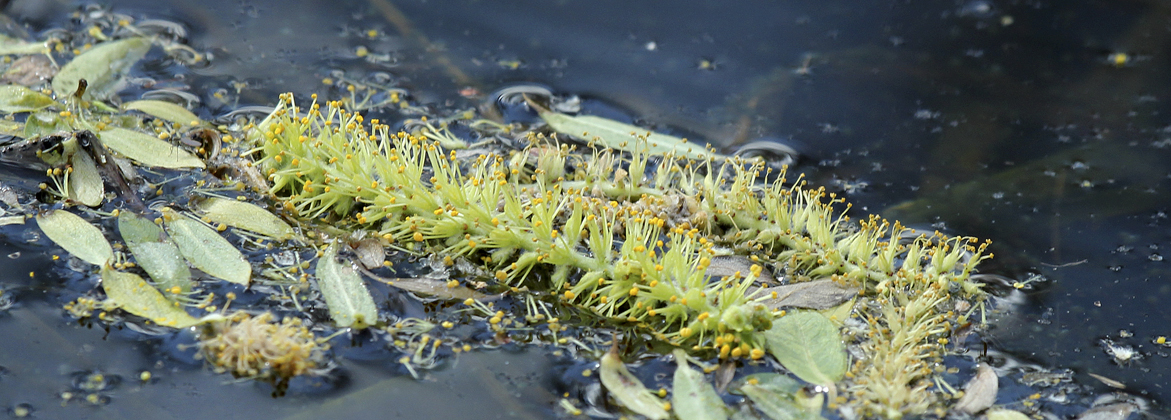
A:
(628, 237)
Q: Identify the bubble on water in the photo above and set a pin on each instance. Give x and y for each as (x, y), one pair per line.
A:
(977, 9)
(1155, 257)
(21, 410)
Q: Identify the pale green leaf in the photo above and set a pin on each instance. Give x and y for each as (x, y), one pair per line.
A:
(147, 149)
(164, 110)
(615, 135)
(44, 123)
(77, 236)
(432, 287)
(980, 392)
(694, 398)
(102, 67)
(809, 345)
(839, 314)
(15, 98)
(1006, 415)
(205, 249)
(247, 216)
(13, 46)
(11, 220)
(11, 128)
(133, 294)
(628, 390)
(85, 183)
(776, 396)
(345, 294)
(155, 252)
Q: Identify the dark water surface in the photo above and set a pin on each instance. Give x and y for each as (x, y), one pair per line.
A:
(1017, 121)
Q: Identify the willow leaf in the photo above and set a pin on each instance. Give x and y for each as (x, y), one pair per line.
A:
(621, 136)
(809, 345)
(147, 149)
(155, 252)
(77, 236)
(13, 46)
(102, 67)
(44, 123)
(11, 128)
(85, 183)
(205, 249)
(694, 398)
(628, 390)
(135, 295)
(15, 98)
(245, 216)
(432, 287)
(775, 395)
(345, 294)
(1005, 415)
(164, 110)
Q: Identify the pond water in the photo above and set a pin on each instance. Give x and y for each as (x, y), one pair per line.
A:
(1041, 125)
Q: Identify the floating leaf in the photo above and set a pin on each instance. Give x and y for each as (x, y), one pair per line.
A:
(147, 149)
(980, 391)
(839, 314)
(247, 216)
(694, 398)
(164, 110)
(77, 236)
(817, 294)
(85, 183)
(432, 287)
(777, 396)
(155, 252)
(349, 303)
(621, 136)
(627, 389)
(13, 46)
(728, 265)
(11, 220)
(1005, 415)
(809, 345)
(370, 253)
(102, 67)
(205, 249)
(11, 128)
(135, 295)
(14, 98)
(1113, 411)
(44, 123)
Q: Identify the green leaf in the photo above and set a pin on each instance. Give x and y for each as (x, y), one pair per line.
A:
(432, 287)
(44, 123)
(628, 390)
(147, 149)
(164, 110)
(621, 136)
(205, 249)
(345, 294)
(15, 98)
(776, 396)
(11, 128)
(694, 398)
(135, 295)
(102, 67)
(155, 252)
(1006, 415)
(13, 46)
(85, 183)
(247, 216)
(77, 236)
(809, 345)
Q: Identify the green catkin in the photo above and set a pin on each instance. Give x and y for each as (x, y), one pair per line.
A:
(519, 213)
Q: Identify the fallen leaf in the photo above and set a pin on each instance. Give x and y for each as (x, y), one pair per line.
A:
(1002, 414)
(205, 249)
(430, 287)
(13, 46)
(247, 216)
(44, 123)
(85, 182)
(809, 345)
(1113, 411)
(147, 149)
(102, 67)
(1108, 382)
(730, 264)
(628, 390)
(133, 294)
(155, 252)
(775, 395)
(164, 110)
(15, 98)
(77, 236)
(694, 398)
(980, 391)
(30, 70)
(349, 302)
(817, 294)
(370, 253)
(621, 136)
